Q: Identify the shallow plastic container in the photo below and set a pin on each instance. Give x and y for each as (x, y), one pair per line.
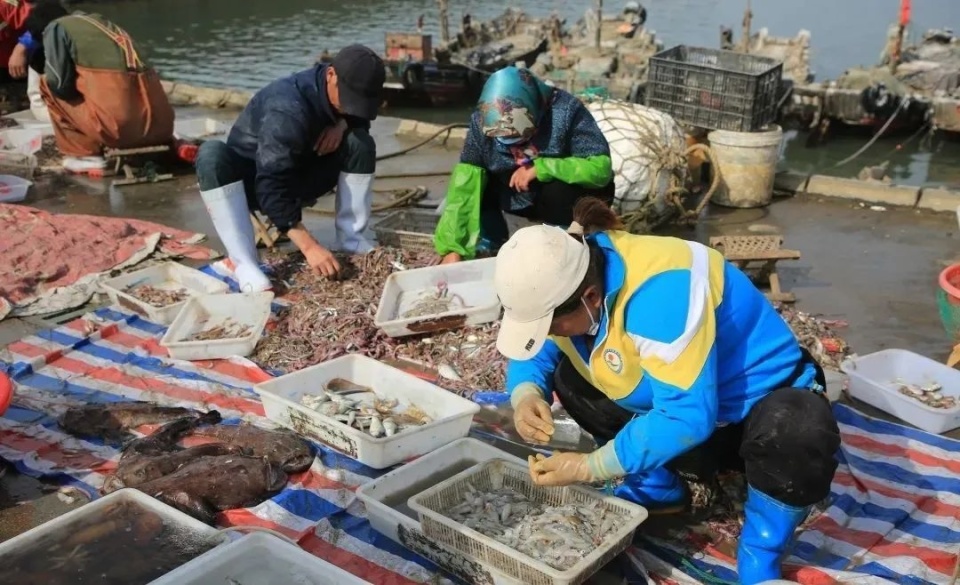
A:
(207, 311)
(873, 379)
(451, 414)
(385, 500)
(197, 128)
(472, 282)
(66, 525)
(258, 559)
(22, 140)
(170, 275)
(13, 189)
(496, 473)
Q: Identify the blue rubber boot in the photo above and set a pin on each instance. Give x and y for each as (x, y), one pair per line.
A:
(659, 491)
(767, 531)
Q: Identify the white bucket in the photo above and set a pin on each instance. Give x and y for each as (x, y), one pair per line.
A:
(748, 165)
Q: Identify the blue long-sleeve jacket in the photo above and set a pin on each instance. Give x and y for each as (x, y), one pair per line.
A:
(278, 129)
(686, 341)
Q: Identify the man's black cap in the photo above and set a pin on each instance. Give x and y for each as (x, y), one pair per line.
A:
(360, 78)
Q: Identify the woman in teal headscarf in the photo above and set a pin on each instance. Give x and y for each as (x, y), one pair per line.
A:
(533, 151)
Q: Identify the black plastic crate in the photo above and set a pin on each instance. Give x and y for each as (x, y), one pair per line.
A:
(719, 90)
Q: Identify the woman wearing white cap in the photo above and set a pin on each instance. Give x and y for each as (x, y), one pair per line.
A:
(676, 364)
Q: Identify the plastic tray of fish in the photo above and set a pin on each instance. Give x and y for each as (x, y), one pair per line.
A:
(158, 292)
(436, 298)
(375, 413)
(213, 327)
(385, 500)
(151, 537)
(258, 559)
(494, 513)
(911, 387)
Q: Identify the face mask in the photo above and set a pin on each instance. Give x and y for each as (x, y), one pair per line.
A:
(594, 324)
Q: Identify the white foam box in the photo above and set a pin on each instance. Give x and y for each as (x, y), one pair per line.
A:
(258, 559)
(472, 282)
(169, 275)
(451, 414)
(876, 378)
(385, 500)
(65, 525)
(208, 311)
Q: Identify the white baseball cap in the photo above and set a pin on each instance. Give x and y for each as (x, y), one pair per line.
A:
(538, 269)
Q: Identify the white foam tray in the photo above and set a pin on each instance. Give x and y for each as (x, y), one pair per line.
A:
(166, 275)
(208, 311)
(451, 414)
(380, 497)
(472, 281)
(873, 379)
(63, 524)
(258, 559)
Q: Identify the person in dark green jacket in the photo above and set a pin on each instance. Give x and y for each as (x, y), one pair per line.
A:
(533, 151)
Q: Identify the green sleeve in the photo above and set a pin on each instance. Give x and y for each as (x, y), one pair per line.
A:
(592, 171)
(459, 226)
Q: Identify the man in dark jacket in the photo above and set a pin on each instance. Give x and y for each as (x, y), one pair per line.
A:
(297, 139)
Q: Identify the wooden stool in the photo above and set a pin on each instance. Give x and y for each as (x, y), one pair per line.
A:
(264, 230)
(757, 256)
(123, 160)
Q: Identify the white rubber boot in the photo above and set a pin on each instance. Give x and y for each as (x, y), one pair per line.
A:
(37, 106)
(354, 198)
(228, 209)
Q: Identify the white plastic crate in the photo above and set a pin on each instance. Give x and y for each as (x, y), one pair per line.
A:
(13, 189)
(207, 311)
(258, 559)
(451, 414)
(64, 526)
(169, 275)
(472, 282)
(495, 473)
(385, 500)
(22, 140)
(875, 379)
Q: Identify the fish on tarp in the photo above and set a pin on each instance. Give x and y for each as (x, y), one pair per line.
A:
(167, 437)
(282, 448)
(112, 422)
(133, 471)
(208, 485)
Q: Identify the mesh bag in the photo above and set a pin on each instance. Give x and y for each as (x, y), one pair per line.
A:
(647, 149)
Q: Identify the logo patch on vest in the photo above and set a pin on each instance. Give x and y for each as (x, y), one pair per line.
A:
(614, 360)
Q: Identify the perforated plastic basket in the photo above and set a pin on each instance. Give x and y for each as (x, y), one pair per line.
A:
(495, 474)
(408, 229)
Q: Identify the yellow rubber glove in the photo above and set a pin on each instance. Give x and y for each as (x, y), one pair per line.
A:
(531, 414)
(560, 469)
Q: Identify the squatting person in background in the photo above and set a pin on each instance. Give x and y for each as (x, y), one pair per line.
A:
(98, 90)
(531, 151)
(297, 139)
(676, 364)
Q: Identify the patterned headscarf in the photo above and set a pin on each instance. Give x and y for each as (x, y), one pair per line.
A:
(511, 104)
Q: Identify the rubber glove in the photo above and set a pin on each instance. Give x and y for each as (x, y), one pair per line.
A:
(531, 414)
(560, 469)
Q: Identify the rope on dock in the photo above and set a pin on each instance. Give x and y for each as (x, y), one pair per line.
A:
(876, 136)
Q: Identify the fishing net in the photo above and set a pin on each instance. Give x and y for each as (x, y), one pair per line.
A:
(648, 152)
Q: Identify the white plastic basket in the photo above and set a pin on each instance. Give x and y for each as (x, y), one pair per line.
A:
(471, 281)
(258, 559)
(493, 474)
(207, 311)
(169, 275)
(451, 414)
(197, 128)
(22, 140)
(385, 500)
(64, 526)
(876, 378)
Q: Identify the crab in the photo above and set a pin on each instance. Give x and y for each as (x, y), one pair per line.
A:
(76, 556)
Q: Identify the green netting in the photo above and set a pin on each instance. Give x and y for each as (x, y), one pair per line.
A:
(949, 314)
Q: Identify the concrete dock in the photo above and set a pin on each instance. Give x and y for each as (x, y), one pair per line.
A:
(876, 269)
